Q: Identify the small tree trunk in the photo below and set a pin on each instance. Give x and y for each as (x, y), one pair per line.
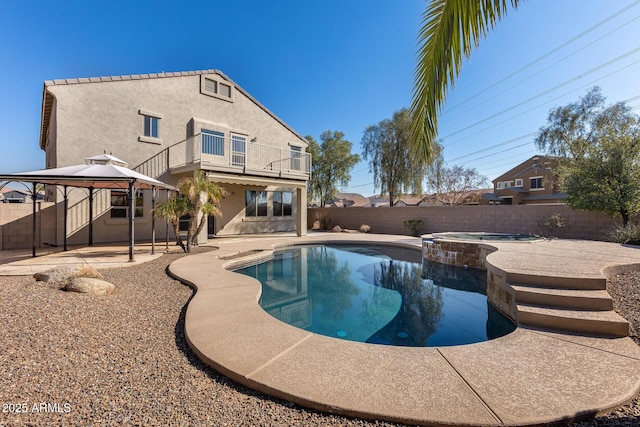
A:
(176, 231)
(625, 218)
(199, 229)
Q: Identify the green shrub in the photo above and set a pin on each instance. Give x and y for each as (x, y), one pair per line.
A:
(413, 225)
(549, 225)
(629, 235)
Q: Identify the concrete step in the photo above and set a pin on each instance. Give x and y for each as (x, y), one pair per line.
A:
(599, 283)
(597, 300)
(588, 322)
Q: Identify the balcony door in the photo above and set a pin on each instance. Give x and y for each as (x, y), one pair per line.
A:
(238, 150)
(296, 153)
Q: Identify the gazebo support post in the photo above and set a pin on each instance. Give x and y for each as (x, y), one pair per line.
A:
(66, 205)
(166, 228)
(153, 220)
(33, 223)
(90, 216)
(132, 212)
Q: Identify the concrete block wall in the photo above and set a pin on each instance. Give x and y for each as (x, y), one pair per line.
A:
(520, 219)
(16, 224)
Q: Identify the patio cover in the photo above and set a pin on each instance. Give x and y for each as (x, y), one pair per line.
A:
(100, 172)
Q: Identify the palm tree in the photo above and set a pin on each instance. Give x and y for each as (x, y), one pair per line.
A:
(450, 29)
(172, 210)
(203, 196)
(197, 194)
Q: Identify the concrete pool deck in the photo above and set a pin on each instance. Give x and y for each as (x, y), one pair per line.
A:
(528, 377)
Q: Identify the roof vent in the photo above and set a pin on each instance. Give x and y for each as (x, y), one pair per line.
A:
(105, 159)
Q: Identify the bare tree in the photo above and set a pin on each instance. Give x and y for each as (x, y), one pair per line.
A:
(454, 185)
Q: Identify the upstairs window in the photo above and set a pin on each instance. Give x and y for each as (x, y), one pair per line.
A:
(151, 126)
(500, 185)
(535, 183)
(120, 204)
(519, 182)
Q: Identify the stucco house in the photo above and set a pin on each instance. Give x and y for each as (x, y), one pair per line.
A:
(531, 182)
(168, 126)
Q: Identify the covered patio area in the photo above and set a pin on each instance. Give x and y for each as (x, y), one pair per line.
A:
(99, 172)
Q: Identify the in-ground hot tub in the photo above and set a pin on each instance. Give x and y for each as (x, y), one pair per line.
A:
(465, 249)
(485, 236)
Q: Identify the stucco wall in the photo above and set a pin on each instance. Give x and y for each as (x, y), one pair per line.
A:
(233, 220)
(92, 117)
(497, 219)
(89, 118)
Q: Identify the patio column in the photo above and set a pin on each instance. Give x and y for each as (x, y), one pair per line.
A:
(301, 211)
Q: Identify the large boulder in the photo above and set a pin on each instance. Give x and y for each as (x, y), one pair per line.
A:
(56, 274)
(64, 273)
(89, 285)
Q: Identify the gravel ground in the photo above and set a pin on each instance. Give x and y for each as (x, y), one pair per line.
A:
(70, 359)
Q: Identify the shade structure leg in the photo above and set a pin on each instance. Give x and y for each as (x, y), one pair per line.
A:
(90, 216)
(132, 212)
(33, 223)
(66, 206)
(153, 220)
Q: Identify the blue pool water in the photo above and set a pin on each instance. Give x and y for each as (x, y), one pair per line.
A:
(382, 295)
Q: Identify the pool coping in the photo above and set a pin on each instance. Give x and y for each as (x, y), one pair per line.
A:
(528, 377)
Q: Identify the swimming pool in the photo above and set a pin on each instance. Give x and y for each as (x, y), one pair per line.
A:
(380, 295)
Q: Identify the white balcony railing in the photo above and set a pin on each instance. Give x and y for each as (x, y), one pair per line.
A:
(214, 152)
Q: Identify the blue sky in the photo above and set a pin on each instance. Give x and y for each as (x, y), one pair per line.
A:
(326, 65)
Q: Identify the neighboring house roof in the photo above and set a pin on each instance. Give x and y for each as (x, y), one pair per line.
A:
(409, 200)
(377, 201)
(348, 200)
(491, 197)
(47, 98)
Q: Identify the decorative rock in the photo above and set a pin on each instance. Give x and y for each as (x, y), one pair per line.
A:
(57, 274)
(89, 285)
(337, 229)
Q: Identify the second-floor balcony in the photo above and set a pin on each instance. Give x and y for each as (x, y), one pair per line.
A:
(214, 152)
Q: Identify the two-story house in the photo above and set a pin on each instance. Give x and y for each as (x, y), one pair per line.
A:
(168, 126)
(531, 182)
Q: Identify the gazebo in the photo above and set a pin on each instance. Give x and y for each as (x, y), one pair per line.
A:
(99, 172)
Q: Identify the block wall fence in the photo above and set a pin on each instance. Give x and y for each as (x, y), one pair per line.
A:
(520, 219)
(16, 224)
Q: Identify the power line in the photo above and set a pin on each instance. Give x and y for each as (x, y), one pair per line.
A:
(534, 74)
(606, 64)
(549, 101)
(494, 146)
(556, 49)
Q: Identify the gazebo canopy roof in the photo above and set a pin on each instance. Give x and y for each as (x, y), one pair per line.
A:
(102, 171)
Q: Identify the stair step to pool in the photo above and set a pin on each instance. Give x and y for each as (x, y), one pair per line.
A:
(563, 298)
(594, 283)
(602, 323)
